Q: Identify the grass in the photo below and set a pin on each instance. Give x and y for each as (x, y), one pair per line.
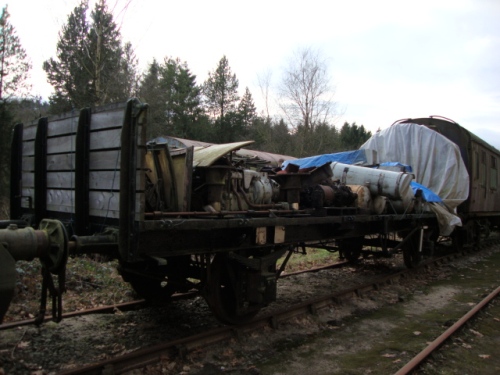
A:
(382, 341)
(89, 283)
(312, 258)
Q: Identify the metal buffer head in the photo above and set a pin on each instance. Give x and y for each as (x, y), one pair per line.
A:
(50, 244)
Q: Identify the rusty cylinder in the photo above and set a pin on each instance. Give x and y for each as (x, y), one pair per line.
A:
(24, 243)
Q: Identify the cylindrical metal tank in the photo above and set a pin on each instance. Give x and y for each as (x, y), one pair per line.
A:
(393, 185)
(364, 200)
(379, 204)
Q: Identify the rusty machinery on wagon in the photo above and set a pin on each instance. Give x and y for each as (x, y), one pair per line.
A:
(211, 218)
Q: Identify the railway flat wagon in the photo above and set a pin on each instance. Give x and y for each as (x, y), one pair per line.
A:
(210, 218)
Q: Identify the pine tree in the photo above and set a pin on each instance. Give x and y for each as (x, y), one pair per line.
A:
(221, 97)
(151, 92)
(247, 110)
(14, 64)
(352, 136)
(129, 71)
(221, 90)
(105, 57)
(14, 69)
(90, 66)
(174, 98)
(183, 98)
(69, 73)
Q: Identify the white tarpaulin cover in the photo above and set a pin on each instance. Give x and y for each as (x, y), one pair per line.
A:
(435, 160)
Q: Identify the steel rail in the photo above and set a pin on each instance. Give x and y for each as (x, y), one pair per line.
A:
(433, 346)
(108, 309)
(126, 306)
(147, 356)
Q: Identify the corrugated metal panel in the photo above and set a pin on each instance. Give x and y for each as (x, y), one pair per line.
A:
(205, 157)
(274, 160)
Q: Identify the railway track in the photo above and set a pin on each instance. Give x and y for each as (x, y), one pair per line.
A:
(416, 361)
(127, 306)
(274, 319)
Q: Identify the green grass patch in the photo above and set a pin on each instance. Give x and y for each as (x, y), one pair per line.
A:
(311, 259)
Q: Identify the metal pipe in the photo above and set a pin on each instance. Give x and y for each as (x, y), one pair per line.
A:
(104, 244)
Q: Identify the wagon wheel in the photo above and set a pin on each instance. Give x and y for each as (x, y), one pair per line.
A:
(411, 254)
(226, 289)
(351, 248)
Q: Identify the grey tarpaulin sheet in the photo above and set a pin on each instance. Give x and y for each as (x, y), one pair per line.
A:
(435, 160)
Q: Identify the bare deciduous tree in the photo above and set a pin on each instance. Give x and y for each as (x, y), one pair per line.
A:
(306, 92)
(264, 82)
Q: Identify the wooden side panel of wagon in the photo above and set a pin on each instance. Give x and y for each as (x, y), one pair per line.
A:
(69, 167)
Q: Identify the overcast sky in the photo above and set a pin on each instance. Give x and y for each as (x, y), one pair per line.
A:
(388, 59)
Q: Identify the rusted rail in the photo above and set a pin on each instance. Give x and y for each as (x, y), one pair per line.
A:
(433, 346)
(151, 355)
(148, 356)
(108, 309)
(98, 310)
(126, 306)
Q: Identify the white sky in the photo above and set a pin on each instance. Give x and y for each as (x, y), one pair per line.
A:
(389, 59)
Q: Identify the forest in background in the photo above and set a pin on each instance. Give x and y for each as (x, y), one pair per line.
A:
(94, 67)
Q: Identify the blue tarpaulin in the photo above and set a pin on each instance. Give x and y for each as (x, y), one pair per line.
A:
(427, 193)
(404, 167)
(359, 156)
(347, 157)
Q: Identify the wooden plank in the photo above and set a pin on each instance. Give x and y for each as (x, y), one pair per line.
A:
(104, 201)
(28, 180)
(98, 141)
(104, 180)
(29, 148)
(57, 180)
(61, 200)
(105, 139)
(61, 144)
(29, 132)
(112, 214)
(101, 203)
(109, 160)
(98, 180)
(110, 180)
(61, 162)
(104, 204)
(103, 120)
(104, 160)
(63, 126)
(28, 163)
